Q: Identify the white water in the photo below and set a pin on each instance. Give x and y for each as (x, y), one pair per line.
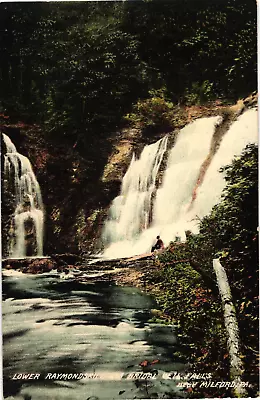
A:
(171, 216)
(175, 195)
(136, 197)
(28, 201)
(51, 325)
(242, 132)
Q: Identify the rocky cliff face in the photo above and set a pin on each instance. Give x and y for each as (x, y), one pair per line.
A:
(77, 191)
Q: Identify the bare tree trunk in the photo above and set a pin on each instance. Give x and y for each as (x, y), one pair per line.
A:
(236, 365)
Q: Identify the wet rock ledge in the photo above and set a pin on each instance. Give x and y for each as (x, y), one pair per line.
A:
(128, 271)
(40, 265)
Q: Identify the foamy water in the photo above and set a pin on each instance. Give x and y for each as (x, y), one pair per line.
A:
(56, 326)
(170, 213)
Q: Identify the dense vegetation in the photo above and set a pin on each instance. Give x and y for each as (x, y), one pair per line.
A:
(185, 273)
(78, 68)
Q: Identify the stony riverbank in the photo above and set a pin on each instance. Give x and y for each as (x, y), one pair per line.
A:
(124, 272)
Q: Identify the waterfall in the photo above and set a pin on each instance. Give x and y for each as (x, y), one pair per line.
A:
(174, 196)
(174, 210)
(28, 218)
(242, 132)
(131, 212)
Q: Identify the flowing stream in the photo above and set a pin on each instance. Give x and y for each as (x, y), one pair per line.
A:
(174, 208)
(26, 231)
(52, 325)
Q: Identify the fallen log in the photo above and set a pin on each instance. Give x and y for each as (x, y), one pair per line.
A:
(236, 365)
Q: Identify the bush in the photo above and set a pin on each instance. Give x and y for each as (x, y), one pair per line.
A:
(155, 113)
(199, 93)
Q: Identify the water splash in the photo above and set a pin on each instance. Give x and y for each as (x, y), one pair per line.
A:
(28, 218)
(173, 198)
(172, 213)
(131, 212)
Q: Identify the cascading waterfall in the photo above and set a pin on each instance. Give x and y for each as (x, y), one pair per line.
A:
(28, 217)
(242, 132)
(174, 196)
(174, 210)
(131, 211)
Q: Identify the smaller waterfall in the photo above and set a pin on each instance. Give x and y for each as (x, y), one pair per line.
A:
(27, 224)
(131, 212)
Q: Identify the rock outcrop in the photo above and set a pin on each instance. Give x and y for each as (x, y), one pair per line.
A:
(30, 265)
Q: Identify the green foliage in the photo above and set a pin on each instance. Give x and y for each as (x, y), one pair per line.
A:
(79, 64)
(78, 68)
(199, 93)
(96, 68)
(185, 298)
(154, 113)
(189, 43)
(230, 233)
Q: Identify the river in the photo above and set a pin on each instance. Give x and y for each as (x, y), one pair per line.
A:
(97, 329)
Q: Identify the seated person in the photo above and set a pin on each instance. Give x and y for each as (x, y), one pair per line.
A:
(158, 245)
